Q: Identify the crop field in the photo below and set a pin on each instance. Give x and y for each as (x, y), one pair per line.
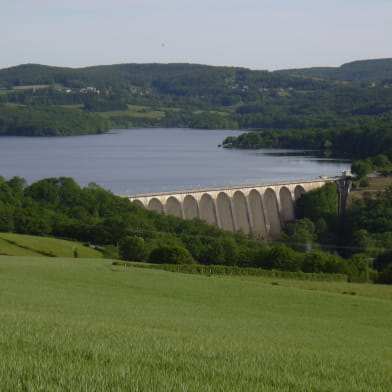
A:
(361, 289)
(85, 325)
(376, 184)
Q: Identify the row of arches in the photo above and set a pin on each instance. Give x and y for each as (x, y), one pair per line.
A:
(262, 212)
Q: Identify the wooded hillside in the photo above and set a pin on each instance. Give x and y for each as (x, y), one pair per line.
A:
(191, 95)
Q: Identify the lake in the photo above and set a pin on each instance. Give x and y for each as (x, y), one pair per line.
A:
(154, 160)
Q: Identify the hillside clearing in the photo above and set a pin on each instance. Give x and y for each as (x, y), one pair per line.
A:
(28, 245)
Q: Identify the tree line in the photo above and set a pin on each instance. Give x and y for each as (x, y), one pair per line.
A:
(362, 141)
(48, 121)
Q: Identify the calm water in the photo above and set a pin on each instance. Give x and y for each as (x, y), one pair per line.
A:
(149, 160)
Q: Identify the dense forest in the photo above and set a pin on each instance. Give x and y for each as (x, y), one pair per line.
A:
(190, 95)
(361, 141)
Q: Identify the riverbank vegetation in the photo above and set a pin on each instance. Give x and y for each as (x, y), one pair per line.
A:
(24, 120)
(369, 140)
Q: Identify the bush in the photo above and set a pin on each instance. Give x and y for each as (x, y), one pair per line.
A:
(386, 276)
(229, 270)
(131, 248)
(381, 161)
(361, 168)
(279, 257)
(364, 183)
(357, 268)
(383, 260)
(299, 235)
(171, 255)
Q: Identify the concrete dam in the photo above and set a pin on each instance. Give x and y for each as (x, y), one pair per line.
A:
(260, 209)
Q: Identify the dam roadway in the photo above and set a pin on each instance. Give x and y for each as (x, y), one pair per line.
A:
(260, 209)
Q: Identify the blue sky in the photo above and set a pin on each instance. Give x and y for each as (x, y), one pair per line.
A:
(258, 34)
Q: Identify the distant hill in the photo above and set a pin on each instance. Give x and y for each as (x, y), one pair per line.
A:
(162, 78)
(364, 70)
(41, 100)
(175, 77)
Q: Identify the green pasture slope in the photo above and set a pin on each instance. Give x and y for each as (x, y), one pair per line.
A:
(28, 245)
(85, 325)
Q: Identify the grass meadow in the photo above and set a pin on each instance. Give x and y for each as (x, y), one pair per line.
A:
(376, 184)
(133, 113)
(361, 289)
(85, 325)
(28, 245)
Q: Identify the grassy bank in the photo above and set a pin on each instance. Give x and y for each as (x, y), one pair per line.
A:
(28, 245)
(81, 324)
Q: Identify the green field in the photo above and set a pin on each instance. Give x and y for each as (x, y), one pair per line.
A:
(376, 184)
(134, 113)
(28, 245)
(84, 325)
(362, 289)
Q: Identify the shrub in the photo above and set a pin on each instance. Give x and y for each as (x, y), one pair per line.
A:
(364, 183)
(229, 270)
(386, 276)
(383, 260)
(131, 248)
(357, 269)
(279, 257)
(361, 168)
(171, 255)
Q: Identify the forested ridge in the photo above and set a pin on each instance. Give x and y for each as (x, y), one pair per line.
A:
(364, 70)
(191, 95)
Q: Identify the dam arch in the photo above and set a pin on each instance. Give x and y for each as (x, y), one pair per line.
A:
(139, 203)
(155, 205)
(191, 209)
(298, 192)
(256, 207)
(225, 212)
(272, 207)
(173, 207)
(240, 207)
(287, 204)
(207, 209)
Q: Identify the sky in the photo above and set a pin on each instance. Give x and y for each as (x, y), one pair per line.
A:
(257, 34)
